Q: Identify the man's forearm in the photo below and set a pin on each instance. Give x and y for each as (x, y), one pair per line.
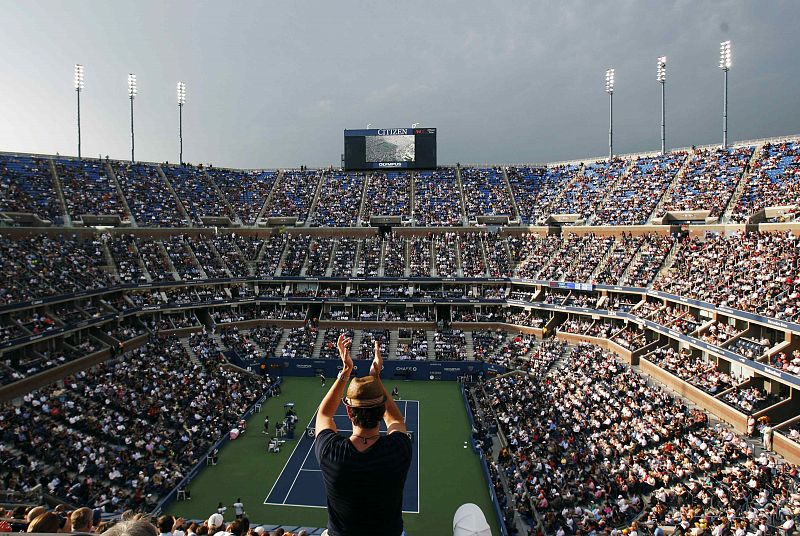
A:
(330, 403)
(392, 411)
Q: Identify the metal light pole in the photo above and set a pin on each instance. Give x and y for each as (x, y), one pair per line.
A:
(661, 76)
(181, 102)
(725, 62)
(131, 95)
(610, 91)
(78, 87)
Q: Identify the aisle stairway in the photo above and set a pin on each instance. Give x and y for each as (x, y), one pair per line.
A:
(188, 348)
(394, 335)
(318, 344)
(470, 346)
(431, 349)
(356, 345)
(281, 343)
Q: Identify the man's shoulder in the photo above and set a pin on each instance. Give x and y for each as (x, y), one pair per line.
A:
(400, 437)
(324, 438)
(400, 442)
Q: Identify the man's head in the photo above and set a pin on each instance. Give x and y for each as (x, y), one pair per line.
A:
(35, 512)
(137, 527)
(165, 523)
(238, 527)
(81, 520)
(365, 401)
(46, 522)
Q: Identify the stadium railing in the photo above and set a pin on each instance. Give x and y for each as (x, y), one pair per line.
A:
(484, 466)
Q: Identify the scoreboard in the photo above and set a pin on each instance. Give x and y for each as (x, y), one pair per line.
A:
(390, 148)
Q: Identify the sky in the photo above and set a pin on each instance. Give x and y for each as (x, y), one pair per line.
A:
(274, 84)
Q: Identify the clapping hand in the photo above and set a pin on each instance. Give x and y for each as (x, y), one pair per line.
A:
(343, 345)
(377, 362)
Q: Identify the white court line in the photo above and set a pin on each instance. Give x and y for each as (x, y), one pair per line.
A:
(325, 507)
(419, 455)
(298, 472)
(282, 470)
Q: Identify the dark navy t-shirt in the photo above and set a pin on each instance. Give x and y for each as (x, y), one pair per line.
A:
(365, 489)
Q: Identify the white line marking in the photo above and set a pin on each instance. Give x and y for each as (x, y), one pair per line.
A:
(282, 470)
(419, 454)
(324, 507)
(298, 472)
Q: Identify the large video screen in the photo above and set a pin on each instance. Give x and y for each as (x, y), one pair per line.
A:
(390, 148)
(387, 148)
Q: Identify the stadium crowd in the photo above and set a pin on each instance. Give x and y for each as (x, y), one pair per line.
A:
(774, 181)
(88, 189)
(755, 272)
(591, 444)
(709, 181)
(124, 434)
(592, 447)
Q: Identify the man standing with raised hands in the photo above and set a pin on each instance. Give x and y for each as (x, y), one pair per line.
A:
(364, 473)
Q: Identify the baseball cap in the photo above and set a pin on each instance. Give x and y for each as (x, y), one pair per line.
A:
(215, 520)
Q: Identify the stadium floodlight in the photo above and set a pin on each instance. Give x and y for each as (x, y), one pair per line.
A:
(414, 125)
(132, 90)
(78, 79)
(181, 93)
(181, 102)
(369, 125)
(725, 57)
(610, 90)
(609, 81)
(725, 62)
(661, 77)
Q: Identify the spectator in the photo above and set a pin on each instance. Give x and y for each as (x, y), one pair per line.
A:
(81, 520)
(138, 527)
(48, 522)
(366, 460)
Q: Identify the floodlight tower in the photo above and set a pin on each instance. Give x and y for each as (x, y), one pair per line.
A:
(131, 94)
(725, 62)
(181, 102)
(610, 91)
(78, 87)
(661, 77)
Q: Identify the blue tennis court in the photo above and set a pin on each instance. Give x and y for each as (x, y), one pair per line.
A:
(300, 483)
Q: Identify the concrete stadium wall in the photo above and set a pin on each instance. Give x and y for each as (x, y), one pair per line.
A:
(574, 338)
(37, 381)
(722, 410)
